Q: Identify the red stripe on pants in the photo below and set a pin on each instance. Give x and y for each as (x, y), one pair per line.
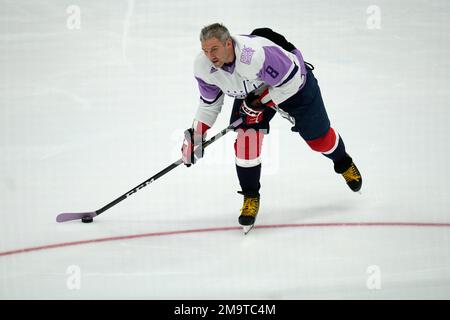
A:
(324, 143)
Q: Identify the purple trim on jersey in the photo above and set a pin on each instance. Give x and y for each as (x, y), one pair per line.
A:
(291, 75)
(229, 67)
(208, 91)
(276, 66)
(211, 102)
(298, 54)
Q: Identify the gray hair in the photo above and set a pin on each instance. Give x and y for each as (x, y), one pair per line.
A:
(215, 30)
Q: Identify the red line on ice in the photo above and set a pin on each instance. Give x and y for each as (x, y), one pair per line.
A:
(273, 226)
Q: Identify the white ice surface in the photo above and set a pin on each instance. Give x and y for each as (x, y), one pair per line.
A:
(86, 114)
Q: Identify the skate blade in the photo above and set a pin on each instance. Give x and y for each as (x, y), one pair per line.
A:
(247, 229)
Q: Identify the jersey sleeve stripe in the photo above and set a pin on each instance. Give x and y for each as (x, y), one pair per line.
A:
(212, 101)
(291, 75)
(208, 91)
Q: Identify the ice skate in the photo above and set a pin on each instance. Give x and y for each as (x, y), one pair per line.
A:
(350, 172)
(249, 211)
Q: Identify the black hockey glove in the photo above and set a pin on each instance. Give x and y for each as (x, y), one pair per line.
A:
(251, 115)
(192, 149)
(253, 107)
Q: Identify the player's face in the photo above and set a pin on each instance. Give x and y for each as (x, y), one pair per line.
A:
(218, 52)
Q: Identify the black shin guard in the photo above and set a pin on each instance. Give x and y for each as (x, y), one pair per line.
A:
(249, 179)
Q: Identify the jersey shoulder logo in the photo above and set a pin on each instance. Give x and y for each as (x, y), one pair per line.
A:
(246, 55)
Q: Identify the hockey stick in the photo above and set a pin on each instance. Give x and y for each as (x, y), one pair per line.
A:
(88, 216)
(284, 114)
(277, 109)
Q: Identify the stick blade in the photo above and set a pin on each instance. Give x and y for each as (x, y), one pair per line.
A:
(63, 217)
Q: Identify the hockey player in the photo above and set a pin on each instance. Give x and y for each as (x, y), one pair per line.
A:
(262, 72)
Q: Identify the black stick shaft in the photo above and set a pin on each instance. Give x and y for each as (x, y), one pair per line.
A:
(139, 187)
(169, 168)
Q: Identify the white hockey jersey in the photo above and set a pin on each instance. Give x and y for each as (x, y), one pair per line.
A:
(258, 61)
